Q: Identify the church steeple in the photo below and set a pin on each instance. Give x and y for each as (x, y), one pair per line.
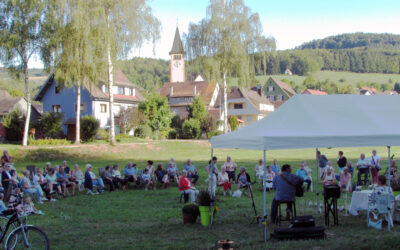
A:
(177, 62)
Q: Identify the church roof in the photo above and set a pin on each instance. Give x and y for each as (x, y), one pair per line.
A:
(177, 47)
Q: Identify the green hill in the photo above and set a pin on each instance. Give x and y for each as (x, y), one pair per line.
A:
(16, 87)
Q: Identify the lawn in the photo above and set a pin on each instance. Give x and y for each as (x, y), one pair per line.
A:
(335, 76)
(148, 220)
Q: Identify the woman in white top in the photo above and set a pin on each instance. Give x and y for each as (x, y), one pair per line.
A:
(223, 180)
(78, 176)
(260, 170)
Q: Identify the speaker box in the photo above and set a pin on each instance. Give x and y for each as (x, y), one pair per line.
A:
(303, 221)
(298, 233)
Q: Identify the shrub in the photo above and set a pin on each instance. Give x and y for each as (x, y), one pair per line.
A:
(13, 124)
(50, 124)
(123, 137)
(103, 134)
(89, 128)
(143, 131)
(214, 133)
(49, 141)
(172, 134)
(191, 128)
(233, 122)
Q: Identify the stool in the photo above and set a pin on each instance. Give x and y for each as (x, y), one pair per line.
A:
(185, 197)
(291, 205)
(331, 194)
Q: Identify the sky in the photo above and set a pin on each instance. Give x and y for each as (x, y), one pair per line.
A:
(290, 22)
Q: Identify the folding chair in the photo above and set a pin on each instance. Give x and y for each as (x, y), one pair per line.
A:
(383, 205)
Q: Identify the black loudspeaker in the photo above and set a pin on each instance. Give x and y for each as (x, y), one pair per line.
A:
(298, 233)
(331, 191)
(303, 221)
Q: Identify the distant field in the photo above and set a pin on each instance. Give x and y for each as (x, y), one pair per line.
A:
(335, 76)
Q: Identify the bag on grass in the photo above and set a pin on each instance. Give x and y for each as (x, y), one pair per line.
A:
(237, 194)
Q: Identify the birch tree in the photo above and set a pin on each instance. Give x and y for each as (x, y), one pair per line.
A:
(21, 37)
(127, 25)
(222, 42)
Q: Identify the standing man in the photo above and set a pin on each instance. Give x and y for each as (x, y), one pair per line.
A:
(275, 167)
(191, 171)
(230, 168)
(363, 165)
(6, 181)
(322, 161)
(341, 161)
(285, 185)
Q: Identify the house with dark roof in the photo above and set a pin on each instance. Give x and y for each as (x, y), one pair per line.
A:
(94, 101)
(247, 105)
(9, 104)
(277, 91)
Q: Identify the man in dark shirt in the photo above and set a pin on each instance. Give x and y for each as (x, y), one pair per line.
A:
(341, 161)
(285, 189)
(322, 161)
(6, 182)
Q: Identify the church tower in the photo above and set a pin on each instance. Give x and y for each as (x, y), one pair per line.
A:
(177, 62)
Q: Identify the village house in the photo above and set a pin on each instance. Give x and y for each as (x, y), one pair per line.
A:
(314, 92)
(277, 91)
(94, 101)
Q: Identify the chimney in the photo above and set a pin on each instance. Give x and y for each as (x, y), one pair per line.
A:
(171, 91)
(194, 90)
(259, 90)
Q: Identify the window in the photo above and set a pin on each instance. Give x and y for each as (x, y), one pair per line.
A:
(57, 89)
(103, 108)
(270, 88)
(120, 90)
(283, 98)
(177, 57)
(276, 98)
(130, 91)
(82, 107)
(238, 106)
(271, 98)
(57, 108)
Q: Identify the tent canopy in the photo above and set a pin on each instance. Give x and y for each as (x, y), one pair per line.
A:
(308, 121)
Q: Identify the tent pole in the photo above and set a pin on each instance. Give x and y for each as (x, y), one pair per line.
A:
(389, 165)
(211, 203)
(317, 177)
(265, 197)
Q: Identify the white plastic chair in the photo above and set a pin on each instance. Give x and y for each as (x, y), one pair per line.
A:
(382, 204)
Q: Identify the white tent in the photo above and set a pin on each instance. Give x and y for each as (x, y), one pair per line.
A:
(308, 121)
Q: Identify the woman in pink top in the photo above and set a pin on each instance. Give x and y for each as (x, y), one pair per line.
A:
(223, 180)
(230, 167)
(345, 180)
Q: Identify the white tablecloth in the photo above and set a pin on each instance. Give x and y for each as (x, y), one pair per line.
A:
(359, 201)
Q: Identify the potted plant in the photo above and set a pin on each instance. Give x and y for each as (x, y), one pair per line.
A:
(204, 201)
(190, 213)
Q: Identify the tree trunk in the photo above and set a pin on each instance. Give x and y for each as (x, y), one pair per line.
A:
(225, 106)
(78, 114)
(28, 101)
(265, 65)
(110, 86)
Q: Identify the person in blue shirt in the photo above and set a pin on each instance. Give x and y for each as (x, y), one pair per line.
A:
(303, 174)
(275, 167)
(191, 171)
(130, 173)
(322, 162)
(285, 192)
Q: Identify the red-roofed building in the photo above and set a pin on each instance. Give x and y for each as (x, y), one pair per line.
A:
(314, 92)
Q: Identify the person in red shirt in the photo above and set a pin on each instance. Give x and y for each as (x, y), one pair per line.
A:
(186, 187)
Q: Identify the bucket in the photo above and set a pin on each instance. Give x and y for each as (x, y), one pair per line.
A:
(204, 215)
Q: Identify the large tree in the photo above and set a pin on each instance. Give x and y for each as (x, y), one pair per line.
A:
(78, 57)
(222, 42)
(21, 36)
(127, 24)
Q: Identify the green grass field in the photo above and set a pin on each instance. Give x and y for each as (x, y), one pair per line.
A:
(335, 76)
(135, 219)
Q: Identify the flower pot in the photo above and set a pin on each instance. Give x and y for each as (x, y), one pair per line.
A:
(204, 215)
(189, 218)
